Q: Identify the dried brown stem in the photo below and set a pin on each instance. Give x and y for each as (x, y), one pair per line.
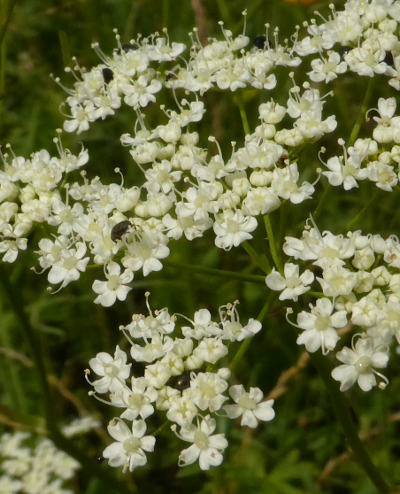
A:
(366, 435)
(201, 20)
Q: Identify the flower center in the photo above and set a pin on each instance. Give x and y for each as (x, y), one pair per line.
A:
(363, 365)
(111, 370)
(131, 445)
(247, 403)
(201, 440)
(322, 322)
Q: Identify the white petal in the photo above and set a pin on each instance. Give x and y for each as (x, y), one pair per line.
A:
(264, 411)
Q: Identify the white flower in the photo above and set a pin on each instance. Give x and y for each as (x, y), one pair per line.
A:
(232, 228)
(359, 365)
(206, 447)
(291, 285)
(145, 254)
(210, 350)
(79, 426)
(249, 405)
(71, 263)
(115, 286)
(181, 409)
(284, 184)
(206, 391)
(327, 70)
(320, 326)
(156, 348)
(138, 399)
(11, 244)
(203, 326)
(113, 371)
(130, 446)
(345, 171)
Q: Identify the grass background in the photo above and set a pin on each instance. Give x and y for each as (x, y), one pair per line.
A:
(303, 450)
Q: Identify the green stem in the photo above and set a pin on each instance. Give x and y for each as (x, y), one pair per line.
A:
(3, 52)
(239, 103)
(315, 294)
(361, 116)
(4, 27)
(246, 343)
(251, 278)
(259, 260)
(343, 413)
(272, 245)
(358, 216)
(12, 374)
(161, 428)
(318, 209)
(17, 306)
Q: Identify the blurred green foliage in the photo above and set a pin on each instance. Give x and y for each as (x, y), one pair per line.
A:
(286, 456)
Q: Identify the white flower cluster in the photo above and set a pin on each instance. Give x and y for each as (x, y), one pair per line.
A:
(376, 159)
(41, 469)
(187, 189)
(359, 276)
(180, 379)
(79, 426)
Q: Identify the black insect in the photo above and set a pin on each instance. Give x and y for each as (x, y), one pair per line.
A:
(182, 381)
(9, 238)
(129, 47)
(343, 50)
(108, 75)
(119, 230)
(260, 42)
(389, 60)
(100, 459)
(169, 75)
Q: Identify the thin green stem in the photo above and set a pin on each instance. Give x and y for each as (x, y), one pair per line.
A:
(318, 209)
(239, 103)
(17, 306)
(359, 215)
(225, 12)
(361, 116)
(3, 50)
(161, 428)
(7, 20)
(259, 260)
(272, 245)
(343, 413)
(251, 278)
(246, 343)
(315, 294)
(12, 371)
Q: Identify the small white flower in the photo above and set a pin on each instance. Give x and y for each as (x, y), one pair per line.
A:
(79, 426)
(113, 371)
(72, 262)
(206, 447)
(320, 325)
(115, 286)
(130, 446)
(359, 365)
(232, 228)
(138, 399)
(291, 284)
(249, 405)
(206, 391)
